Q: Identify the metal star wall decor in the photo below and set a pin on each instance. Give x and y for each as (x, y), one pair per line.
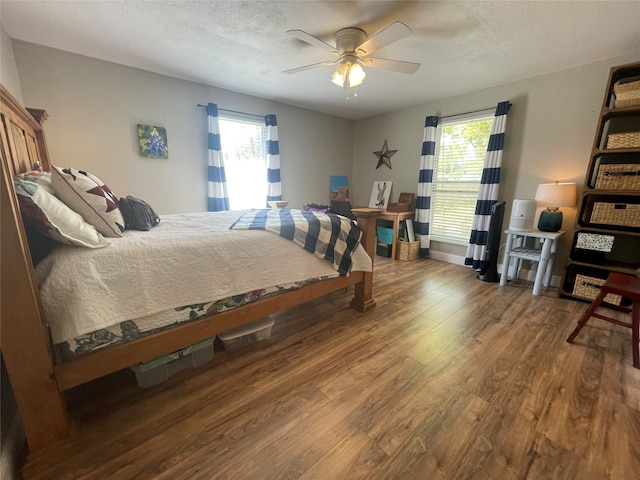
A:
(384, 156)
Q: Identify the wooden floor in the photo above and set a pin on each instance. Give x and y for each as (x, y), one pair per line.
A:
(448, 378)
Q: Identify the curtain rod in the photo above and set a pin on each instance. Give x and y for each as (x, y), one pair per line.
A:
(467, 113)
(440, 117)
(236, 111)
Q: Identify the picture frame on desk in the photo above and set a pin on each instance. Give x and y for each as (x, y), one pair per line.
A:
(380, 194)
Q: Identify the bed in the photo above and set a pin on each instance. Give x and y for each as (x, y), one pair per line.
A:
(39, 376)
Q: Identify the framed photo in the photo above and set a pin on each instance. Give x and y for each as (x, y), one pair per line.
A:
(380, 194)
(153, 141)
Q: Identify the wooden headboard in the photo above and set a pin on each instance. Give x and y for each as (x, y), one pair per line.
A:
(24, 338)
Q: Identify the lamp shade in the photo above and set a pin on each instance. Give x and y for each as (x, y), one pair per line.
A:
(553, 196)
(556, 194)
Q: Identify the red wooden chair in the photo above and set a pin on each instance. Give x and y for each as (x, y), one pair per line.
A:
(627, 286)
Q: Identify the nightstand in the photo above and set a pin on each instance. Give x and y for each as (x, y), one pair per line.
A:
(542, 251)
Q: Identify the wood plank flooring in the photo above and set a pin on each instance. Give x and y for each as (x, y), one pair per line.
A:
(448, 378)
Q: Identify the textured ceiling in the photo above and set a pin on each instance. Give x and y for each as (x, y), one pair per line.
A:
(243, 45)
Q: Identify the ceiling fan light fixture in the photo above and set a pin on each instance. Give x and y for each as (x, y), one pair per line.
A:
(339, 75)
(356, 75)
(348, 74)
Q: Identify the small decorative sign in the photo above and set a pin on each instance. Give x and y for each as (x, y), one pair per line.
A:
(153, 141)
(593, 241)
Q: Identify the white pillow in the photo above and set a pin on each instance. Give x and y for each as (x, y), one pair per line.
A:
(90, 197)
(50, 216)
(40, 177)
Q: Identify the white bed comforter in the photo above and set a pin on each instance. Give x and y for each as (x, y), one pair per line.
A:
(187, 259)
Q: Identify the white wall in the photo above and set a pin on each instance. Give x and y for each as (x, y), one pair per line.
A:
(9, 76)
(549, 136)
(94, 107)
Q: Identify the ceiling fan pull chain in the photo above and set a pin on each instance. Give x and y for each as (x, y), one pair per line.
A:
(355, 93)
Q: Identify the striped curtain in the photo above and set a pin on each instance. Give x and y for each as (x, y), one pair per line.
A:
(488, 194)
(425, 185)
(274, 186)
(217, 181)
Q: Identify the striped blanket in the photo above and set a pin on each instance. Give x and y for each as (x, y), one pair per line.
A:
(328, 236)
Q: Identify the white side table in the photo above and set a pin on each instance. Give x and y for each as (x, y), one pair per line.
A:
(543, 255)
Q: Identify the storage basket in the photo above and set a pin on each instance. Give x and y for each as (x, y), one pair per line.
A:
(160, 368)
(408, 250)
(624, 176)
(627, 94)
(385, 235)
(589, 287)
(622, 214)
(623, 140)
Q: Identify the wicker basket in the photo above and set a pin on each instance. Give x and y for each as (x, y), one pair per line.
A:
(624, 176)
(589, 288)
(625, 101)
(408, 250)
(622, 214)
(623, 140)
(627, 94)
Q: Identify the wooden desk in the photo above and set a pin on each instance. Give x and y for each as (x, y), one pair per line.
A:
(543, 255)
(396, 217)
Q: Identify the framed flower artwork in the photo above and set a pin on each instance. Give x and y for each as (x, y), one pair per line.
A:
(153, 141)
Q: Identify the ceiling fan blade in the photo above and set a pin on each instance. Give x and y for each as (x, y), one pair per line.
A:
(393, 65)
(309, 67)
(394, 32)
(310, 39)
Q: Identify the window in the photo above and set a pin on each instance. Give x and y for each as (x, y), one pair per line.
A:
(245, 162)
(461, 147)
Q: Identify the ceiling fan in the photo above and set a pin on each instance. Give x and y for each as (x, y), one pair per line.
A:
(353, 48)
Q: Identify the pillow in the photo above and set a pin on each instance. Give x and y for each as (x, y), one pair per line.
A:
(50, 216)
(342, 207)
(90, 197)
(39, 244)
(38, 176)
(138, 214)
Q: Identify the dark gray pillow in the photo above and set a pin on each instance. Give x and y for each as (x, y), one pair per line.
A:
(342, 207)
(137, 214)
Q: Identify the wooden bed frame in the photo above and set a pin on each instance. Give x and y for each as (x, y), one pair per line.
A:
(38, 383)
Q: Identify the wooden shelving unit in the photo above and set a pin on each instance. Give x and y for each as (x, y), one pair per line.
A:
(607, 229)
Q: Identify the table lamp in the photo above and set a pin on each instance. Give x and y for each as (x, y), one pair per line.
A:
(553, 196)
